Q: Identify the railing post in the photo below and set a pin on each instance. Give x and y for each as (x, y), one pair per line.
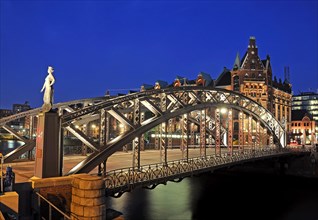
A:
(38, 206)
(50, 212)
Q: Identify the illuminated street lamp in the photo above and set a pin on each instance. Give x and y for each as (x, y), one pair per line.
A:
(223, 110)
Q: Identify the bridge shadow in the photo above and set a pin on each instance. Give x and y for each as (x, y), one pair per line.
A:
(255, 195)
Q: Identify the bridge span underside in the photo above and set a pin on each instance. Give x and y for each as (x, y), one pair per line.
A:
(183, 117)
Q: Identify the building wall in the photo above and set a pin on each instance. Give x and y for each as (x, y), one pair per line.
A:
(309, 102)
(5, 113)
(253, 78)
(282, 106)
(304, 131)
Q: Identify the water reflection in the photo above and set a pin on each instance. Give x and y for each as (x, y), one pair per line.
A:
(6, 146)
(170, 201)
(223, 196)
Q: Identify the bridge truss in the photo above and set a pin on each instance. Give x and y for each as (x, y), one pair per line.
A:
(189, 116)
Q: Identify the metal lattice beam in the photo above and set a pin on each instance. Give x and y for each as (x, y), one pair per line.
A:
(217, 132)
(230, 132)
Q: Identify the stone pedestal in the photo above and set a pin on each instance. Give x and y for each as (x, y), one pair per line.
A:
(88, 197)
(47, 157)
(9, 201)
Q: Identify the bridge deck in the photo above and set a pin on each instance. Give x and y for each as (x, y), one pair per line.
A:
(25, 170)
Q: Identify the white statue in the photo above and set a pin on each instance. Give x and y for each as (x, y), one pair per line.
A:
(48, 93)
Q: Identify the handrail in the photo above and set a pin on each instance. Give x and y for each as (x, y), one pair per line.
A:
(124, 179)
(52, 205)
(223, 155)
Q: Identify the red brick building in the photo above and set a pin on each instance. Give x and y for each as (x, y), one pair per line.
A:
(253, 77)
(303, 127)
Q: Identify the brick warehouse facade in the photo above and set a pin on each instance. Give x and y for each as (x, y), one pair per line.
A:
(253, 77)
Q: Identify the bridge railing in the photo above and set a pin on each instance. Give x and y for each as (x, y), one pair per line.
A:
(47, 210)
(125, 179)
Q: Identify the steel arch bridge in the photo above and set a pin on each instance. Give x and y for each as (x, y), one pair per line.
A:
(197, 116)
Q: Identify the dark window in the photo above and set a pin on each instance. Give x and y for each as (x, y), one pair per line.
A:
(253, 65)
(236, 83)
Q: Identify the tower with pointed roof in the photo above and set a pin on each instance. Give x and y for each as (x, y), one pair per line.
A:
(237, 62)
(252, 77)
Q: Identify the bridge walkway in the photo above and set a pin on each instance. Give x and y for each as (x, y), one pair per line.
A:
(24, 170)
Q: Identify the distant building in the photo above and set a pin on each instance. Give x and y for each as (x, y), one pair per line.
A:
(204, 79)
(303, 127)
(5, 112)
(307, 101)
(18, 108)
(252, 77)
(160, 84)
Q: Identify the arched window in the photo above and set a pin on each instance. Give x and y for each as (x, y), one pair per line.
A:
(236, 83)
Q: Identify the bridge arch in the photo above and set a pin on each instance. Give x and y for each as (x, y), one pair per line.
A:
(164, 104)
(97, 158)
(218, 98)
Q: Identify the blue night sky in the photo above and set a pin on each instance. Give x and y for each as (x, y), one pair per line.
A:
(96, 46)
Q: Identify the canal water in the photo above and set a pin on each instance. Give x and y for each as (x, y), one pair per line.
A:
(6, 146)
(223, 195)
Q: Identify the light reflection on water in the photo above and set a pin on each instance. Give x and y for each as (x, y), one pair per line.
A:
(7, 146)
(229, 196)
(170, 201)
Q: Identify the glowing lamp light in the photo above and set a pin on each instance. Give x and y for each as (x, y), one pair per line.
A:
(223, 110)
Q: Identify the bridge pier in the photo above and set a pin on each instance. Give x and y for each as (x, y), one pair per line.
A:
(81, 195)
(88, 197)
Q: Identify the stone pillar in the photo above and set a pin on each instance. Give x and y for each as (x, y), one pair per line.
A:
(88, 197)
(47, 157)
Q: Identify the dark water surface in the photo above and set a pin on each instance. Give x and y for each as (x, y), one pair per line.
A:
(6, 146)
(223, 196)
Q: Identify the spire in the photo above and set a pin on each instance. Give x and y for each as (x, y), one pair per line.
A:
(252, 42)
(237, 63)
(267, 61)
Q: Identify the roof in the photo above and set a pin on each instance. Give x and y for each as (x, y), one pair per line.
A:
(147, 86)
(298, 115)
(207, 78)
(163, 84)
(307, 94)
(243, 58)
(264, 64)
(183, 80)
(286, 87)
(237, 62)
(224, 78)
